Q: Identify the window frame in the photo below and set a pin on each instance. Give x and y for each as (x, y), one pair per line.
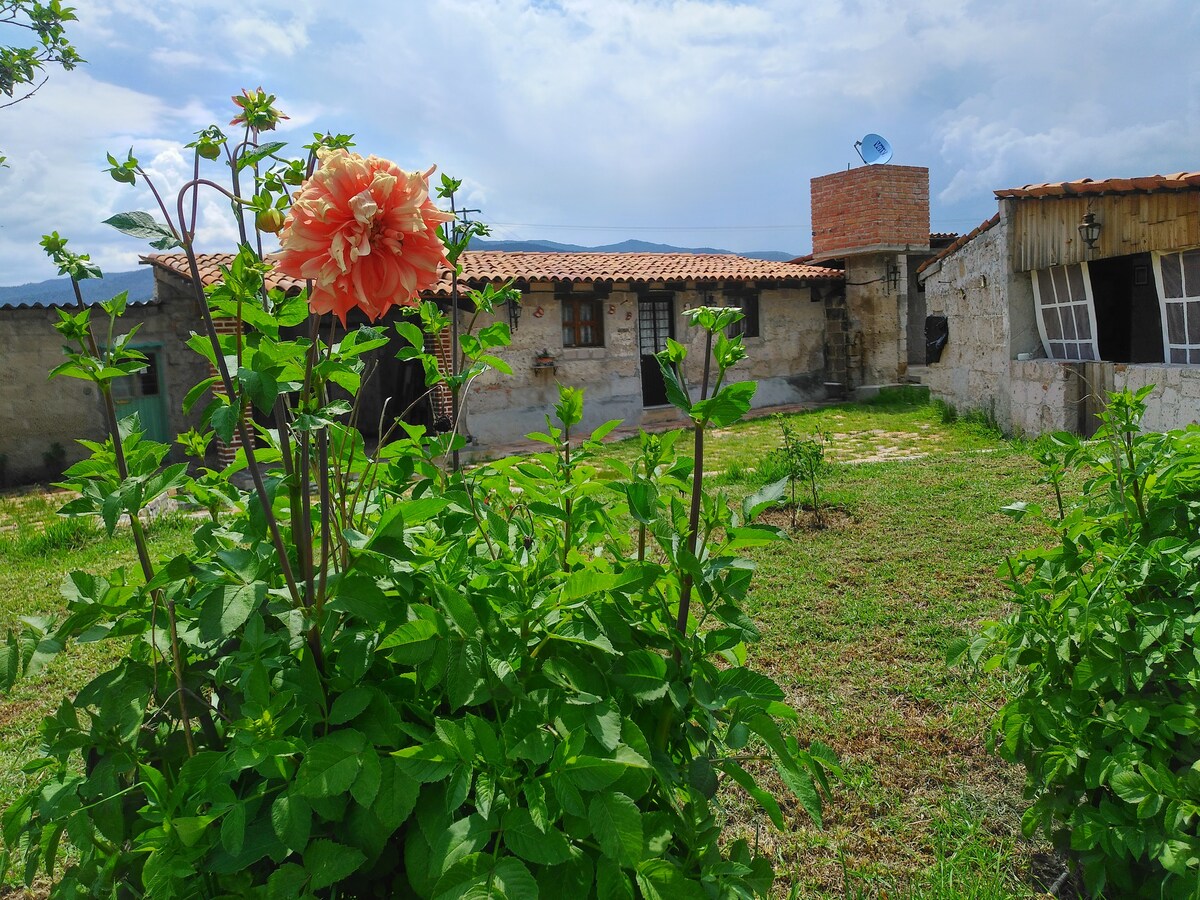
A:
(1087, 349)
(745, 300)
(575, 302)
(1188, 301)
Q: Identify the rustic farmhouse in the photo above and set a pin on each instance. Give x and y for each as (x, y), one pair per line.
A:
(1070, 291)
(594, 320)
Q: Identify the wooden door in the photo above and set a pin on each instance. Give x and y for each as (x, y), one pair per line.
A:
(144, 394)
(656, 323)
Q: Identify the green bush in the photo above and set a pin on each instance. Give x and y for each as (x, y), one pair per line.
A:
(376, 674)
(1105, 709)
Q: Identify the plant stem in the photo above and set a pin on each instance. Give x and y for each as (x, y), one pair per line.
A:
(244, 433)
(685, 590)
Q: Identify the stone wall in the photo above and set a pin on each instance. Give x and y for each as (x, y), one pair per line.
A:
(38, 414)
(971, 289)
(787, 360)
(1048, 395)
(876, 306)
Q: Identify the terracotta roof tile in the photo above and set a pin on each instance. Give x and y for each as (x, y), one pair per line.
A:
(498, 266)
(1175, 182)
(961, 242)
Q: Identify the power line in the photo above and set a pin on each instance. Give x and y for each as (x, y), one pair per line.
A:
(645, 227)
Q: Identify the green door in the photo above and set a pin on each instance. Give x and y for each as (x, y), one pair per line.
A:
(145, 394)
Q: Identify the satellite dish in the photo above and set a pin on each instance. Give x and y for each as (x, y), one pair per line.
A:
(874, 149)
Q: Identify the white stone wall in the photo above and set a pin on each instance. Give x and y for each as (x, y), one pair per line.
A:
(1043, 397)
(1175, 401)
(971, 289)
(787, 360)
(877, 305)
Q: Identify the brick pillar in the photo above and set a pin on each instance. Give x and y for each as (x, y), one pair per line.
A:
(226, 452)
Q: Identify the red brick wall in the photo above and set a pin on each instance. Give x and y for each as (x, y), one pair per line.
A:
(226, 453)
(869, 207)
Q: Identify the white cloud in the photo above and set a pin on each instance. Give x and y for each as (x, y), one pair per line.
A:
(692, 113)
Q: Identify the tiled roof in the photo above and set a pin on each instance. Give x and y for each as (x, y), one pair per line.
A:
(962, 241)
(1178, 182)
(498, 266)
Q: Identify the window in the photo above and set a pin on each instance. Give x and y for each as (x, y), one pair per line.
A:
(747, 327)
(1066, 315)
(582, 322)
(1178, 280)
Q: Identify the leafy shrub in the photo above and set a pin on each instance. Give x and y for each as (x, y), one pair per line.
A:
(1105, 712)
(802, 460)
(376, 675)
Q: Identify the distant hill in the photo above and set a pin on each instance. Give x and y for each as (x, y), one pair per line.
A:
(630, 246)
(140, 282)
(58, 292)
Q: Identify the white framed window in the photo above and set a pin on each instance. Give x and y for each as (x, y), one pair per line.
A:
(1177, 277)
(1066, 312)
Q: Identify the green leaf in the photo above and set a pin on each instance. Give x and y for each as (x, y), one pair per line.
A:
(291, 820)
(428, 762)
(643, 673)
(328, 862)
(611, 882)
(527, 841)
(226, 609)
(587, 583)
(617, 824)
(643, 501)
(142, 225)
(350, 705)
(659, 879)
(330, 765)
(411, 643)
(481, 877)
(256, 155)
(727, 406)
(397, 794)
(366, 785)
(676, 392)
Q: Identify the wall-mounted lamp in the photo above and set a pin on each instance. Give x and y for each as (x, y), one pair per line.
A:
(514, 314)
(1089, 230)
(893, 276)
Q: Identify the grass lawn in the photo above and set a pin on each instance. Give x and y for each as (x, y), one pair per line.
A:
(855, 621)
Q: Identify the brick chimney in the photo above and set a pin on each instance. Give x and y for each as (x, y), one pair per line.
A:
(870, 209)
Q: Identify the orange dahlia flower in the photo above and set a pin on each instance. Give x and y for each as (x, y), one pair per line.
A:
(365, 232)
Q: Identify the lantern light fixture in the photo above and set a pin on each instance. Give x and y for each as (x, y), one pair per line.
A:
(1089, 230)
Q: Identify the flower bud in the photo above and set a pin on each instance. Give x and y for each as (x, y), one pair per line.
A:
(269, 220)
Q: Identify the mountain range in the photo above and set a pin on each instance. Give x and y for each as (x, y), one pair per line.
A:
(140, 282)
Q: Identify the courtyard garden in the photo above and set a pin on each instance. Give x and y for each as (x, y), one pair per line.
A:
(856, 619)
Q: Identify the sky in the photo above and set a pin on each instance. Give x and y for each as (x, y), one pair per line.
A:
(688, 122)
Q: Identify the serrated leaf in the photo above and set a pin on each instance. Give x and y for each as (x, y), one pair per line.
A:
(397, 794)
(328, 862)
(330, 765)
(227, 609)
(291, 820)
(481, 877)
(523, 837)
(617, 824)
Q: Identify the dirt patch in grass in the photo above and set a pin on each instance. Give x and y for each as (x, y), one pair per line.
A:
(831, 518)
